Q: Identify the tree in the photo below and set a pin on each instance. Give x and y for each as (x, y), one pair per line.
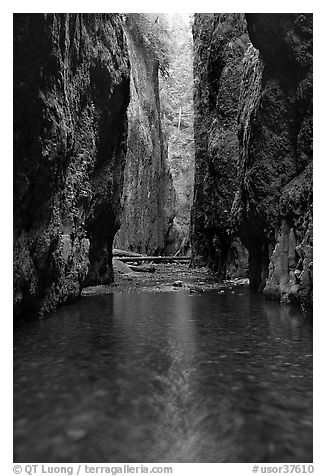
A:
(151, 32)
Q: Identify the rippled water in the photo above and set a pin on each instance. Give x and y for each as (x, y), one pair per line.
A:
(167, 377)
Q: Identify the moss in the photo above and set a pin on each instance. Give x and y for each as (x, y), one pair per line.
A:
(148, 193)
(275, 166)
(220, 41)
(70, 100)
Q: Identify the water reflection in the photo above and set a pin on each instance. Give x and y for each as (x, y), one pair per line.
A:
(165, 377)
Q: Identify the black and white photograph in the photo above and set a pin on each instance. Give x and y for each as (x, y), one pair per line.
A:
(162, 241)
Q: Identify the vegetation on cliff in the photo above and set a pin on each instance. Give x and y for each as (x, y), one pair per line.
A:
(158, 180)
(150, 31)
(148, 192)
(70, 124)
(176, 93)
(258, 98)
(273, 209)
(220, 42)
(80, 157)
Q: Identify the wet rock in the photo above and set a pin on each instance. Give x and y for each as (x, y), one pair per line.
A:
(220, 41)
(259, 94)
(176, 93)
(148, 198)
(71, 91)
(239, 282)
(272, 207)
(195, 290)
(142, 269)
(178, 284)
(121, 267)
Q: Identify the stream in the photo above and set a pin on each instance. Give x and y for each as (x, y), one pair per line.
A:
(165, 377)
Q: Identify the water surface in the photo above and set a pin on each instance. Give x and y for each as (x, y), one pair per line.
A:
(168, 377)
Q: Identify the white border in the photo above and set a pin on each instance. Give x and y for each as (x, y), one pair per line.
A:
(318, 8)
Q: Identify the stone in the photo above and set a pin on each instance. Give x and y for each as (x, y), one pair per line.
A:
(148, 199)
(71, 92)
(253, 172)
(195, 290)
(178, 284)
(272, 207)
(121, 267)
(220, 41)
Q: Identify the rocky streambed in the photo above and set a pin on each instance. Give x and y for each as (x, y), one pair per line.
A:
(166, 278)
(133, 376)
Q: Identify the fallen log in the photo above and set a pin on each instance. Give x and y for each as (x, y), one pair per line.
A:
(117, 252)
(155, 259)
(142, 269)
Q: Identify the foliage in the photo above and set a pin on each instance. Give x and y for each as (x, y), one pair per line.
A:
(150, 31)
(177, 90)
(176, 94)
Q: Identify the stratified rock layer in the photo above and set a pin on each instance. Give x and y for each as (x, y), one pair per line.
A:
(148, 193)
(71, 91)
(273, 206)
(220, 41)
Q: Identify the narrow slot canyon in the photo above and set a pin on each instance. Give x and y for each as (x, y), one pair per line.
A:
(163, 237)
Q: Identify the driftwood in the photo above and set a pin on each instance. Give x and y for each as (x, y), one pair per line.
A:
(131, 257)
(117, 252)
(155, 259)
(142, 269)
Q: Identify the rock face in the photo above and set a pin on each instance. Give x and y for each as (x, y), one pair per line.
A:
(148, 193)
(273, 205)
(177, 104)
(71, 91)
(220, 42)
(253, 137)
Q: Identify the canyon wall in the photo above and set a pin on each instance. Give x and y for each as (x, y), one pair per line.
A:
(178, 116)
(253, 136)
(148, 192)
(71, 92)
(220, 42)
(273, 205)
(253, 153)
